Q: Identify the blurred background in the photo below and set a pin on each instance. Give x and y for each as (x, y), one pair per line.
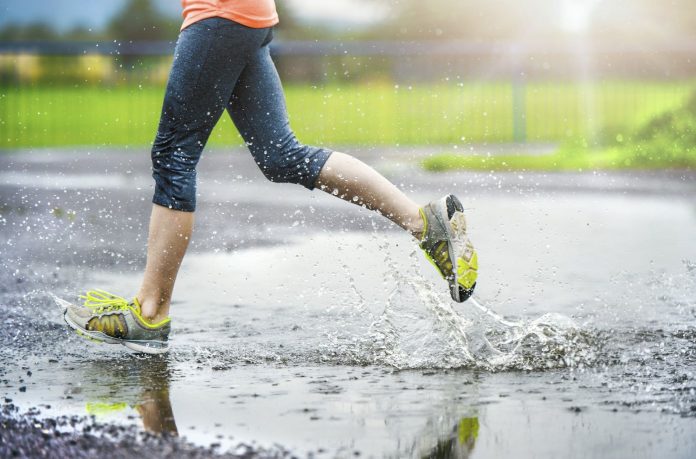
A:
(590, 83)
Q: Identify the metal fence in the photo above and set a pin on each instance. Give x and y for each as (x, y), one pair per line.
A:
(444, 93)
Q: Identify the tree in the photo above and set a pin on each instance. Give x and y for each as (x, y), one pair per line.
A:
(141, 21)
(37, 31)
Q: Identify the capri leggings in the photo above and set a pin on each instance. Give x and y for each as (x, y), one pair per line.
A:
(220, 64)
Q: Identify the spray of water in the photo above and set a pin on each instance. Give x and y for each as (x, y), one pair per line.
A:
(431, 333)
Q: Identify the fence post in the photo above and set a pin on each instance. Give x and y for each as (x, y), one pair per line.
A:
(519, 109)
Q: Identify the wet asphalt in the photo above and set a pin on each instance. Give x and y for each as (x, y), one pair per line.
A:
(304, 326)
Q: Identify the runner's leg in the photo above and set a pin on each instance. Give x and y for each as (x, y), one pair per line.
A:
(354, 181)
(258, 109)
(208, 59)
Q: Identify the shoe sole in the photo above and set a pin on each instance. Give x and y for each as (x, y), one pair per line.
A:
(456, 246)
(147, 347)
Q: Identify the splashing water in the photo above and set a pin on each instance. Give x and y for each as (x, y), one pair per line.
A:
(431, 333)
(411, 325)
(550, 341)
(480, 338)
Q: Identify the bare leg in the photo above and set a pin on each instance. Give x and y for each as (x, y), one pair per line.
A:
(356, 182)
(168, 238)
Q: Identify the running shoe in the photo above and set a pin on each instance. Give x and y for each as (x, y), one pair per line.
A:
(447, 246)
(112, 319)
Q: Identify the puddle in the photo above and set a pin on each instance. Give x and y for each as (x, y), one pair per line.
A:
(364, 358)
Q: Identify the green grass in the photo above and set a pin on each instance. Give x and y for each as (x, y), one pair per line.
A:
(666, 141)
(565, 160)
(366, 114)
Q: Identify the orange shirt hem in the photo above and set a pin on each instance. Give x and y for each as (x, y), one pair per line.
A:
(244, 20)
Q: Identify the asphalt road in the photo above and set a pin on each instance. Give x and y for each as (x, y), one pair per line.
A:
(307, 326)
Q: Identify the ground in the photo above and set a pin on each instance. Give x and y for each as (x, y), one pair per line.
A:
(307, 326)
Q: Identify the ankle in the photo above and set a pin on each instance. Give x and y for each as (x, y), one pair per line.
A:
(415, 226)
(153, 309)
(155, 319)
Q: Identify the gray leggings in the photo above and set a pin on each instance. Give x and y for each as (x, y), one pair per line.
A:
(220, 64)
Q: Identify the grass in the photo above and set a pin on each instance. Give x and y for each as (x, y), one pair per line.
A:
(566, 159)
(366, 114)
(666, 141)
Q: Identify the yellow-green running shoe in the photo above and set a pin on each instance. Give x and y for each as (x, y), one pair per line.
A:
(447, 246)
(112, 319)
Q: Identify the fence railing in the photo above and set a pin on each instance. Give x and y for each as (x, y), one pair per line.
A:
(419, 61)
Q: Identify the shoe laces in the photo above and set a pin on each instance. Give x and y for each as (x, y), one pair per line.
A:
(102, 301)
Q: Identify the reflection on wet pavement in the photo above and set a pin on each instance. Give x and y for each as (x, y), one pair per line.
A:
(460, 443)
(128, 384)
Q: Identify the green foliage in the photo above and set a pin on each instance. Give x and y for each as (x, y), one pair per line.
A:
(141, 21)
(563, 160)
(666, 141)
(669, 137)
(32, 31)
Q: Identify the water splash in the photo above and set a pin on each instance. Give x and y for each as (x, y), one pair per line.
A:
(442, 337)
(431, 333)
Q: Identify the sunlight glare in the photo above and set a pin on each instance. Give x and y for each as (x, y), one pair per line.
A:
(577, 14)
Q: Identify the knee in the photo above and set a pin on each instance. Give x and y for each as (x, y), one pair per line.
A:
(278, 166)
(174, 173)
(298, 163)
